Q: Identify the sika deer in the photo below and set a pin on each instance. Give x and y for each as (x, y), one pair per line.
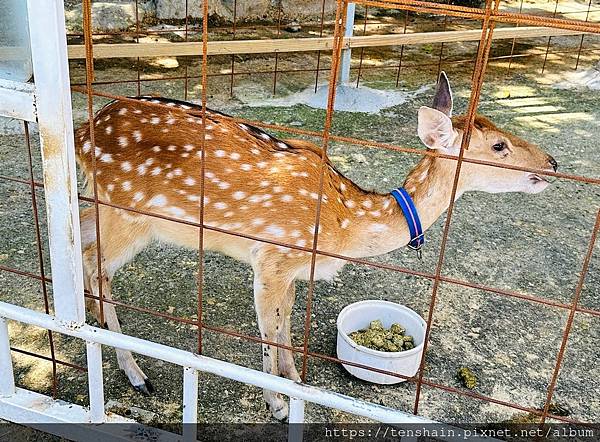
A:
(149, 158)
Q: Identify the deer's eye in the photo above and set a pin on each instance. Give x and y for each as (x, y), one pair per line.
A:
(499, 147)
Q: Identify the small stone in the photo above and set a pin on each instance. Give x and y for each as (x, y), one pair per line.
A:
(293, 27)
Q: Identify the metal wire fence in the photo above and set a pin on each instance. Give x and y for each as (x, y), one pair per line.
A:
(487, 18)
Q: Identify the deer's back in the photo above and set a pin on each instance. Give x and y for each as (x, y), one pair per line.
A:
(149, 158)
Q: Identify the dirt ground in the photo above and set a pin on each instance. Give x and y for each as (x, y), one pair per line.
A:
(533, 244)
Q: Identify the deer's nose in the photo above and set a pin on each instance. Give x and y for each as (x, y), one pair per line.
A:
(553, 163)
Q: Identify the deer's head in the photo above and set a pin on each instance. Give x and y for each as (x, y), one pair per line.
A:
(439, 130)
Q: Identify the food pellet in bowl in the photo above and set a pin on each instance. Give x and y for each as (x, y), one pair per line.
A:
(377, 337)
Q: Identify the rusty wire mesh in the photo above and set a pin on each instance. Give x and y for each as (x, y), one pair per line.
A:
(488, 17)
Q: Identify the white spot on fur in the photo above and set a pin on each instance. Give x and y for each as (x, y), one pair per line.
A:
(106, 158)
(345, 223)
(154, 120)
(123, 141)
(87, 146)
(189, 181)
(137, 135)
(123, 111)
(239, 195)
(158, 201)
(176, 211)
(189, 147)
(108, 130)
(156, 149)
(156, 171)
(275, 230)
(126, 166)
(246, 167)
(377, 227)
(219, 153)
(349, 203)
(287, 198)
(234, 156)
(224, 185)
(126, 185)
(138, 196)
(141, 169)
(220, 206)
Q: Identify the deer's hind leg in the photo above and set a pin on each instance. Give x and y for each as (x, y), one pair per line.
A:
(273, 300)
(121, 238)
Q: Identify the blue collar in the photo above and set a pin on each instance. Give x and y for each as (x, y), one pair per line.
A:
(412, 219)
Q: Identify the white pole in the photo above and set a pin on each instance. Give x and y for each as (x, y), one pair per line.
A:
(95, 382)
(296, 420)
(190, 404)
(53, 104)
(347, 53)
(7, 378)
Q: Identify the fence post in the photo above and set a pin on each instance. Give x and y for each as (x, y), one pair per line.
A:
(95, 382)
(347, 53)
(7, 377)
(190, 404)
(53, 103)
(296, 420)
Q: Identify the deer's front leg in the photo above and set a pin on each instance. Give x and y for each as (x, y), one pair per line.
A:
(270, 295)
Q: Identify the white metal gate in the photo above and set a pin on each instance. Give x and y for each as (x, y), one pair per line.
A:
(47, 101)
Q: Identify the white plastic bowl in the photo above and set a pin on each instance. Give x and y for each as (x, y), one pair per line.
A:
(358, 316)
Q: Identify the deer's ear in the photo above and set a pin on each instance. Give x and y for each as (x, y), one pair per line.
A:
(435, 129)
(442, 100)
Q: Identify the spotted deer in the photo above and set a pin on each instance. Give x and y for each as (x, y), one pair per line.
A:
(149, 158)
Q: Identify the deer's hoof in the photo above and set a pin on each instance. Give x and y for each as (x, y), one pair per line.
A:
(280, 410)
(146, 388)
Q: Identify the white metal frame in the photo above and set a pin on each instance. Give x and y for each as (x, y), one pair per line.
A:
(49, 103)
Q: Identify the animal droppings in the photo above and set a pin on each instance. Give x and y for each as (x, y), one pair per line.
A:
(377, 337)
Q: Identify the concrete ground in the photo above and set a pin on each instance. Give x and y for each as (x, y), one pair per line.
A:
(533, 244)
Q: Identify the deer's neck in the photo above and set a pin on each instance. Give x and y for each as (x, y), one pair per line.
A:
(430, 186)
